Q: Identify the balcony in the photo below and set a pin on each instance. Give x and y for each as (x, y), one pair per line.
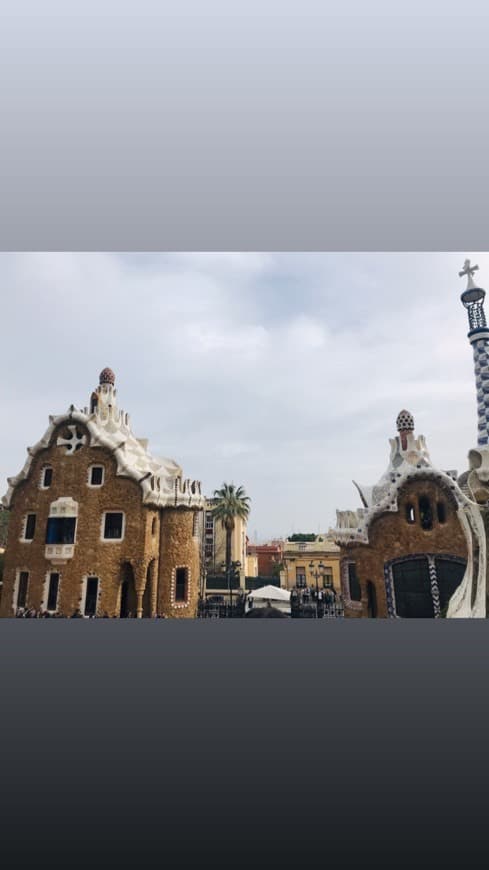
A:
(59, 552)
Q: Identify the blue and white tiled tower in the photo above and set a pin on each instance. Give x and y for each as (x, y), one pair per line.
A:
(478, 335)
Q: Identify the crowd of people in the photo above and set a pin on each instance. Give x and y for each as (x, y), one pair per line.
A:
(309, 595)
(309, 602)
(33, 613)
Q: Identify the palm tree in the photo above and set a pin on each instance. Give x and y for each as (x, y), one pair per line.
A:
(231, 503)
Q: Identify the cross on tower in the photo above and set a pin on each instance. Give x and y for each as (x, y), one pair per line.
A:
(468, 270)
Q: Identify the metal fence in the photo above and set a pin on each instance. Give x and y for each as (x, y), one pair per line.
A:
(309, 607)
(216, 607)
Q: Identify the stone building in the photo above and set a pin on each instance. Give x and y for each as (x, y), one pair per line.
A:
(418, 546)
(99, 524)
(405, 552)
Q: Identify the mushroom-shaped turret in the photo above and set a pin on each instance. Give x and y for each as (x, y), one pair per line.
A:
(107, 376)
(405, 422)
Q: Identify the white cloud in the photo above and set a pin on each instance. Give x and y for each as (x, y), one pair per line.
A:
(283, 372)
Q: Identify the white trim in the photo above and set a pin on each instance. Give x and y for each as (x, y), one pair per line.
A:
(18, 572)
(90, 468)
(43, 471)
(161, 481)
(64, 507)
(83, 596)
(23, 539)
(345, 585)
(102, 527)
(45, 591)
(179, 605)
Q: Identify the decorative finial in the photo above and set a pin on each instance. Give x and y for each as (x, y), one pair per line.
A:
(469, 271)
(107, 376)
(405, 421)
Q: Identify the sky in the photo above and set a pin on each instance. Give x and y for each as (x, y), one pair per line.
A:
(280, 372)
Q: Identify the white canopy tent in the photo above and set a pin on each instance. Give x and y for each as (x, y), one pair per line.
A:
(269, 595)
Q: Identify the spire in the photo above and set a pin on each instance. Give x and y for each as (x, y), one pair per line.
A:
(103, 399)
(473, 300)
(478, 335)
(469, 271)
(404, 424)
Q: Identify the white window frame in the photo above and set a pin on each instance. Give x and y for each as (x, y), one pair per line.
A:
(23, 538)
(102, 528)
(83, 597)
(45, 591)
(15, 594)
(43, 473)
(185, 603)
(89, 481)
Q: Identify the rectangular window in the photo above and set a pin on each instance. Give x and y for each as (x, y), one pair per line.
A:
(328, 579)
(53, 592)
(96, 475)
(30, 527)
(91, 596)
(22, 590)
(354, 583)
(300, 577)
(181, 584)
(61, 530)
(47, 477)
(113, 526)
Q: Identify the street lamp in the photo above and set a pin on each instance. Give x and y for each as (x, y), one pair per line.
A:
(317, 574)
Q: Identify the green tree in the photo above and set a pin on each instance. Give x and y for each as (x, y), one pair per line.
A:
(232, 503)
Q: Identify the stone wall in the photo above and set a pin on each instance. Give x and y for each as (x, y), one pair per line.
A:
(92, 556)
(178, 549)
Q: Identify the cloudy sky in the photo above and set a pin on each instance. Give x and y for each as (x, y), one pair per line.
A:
(281, 372)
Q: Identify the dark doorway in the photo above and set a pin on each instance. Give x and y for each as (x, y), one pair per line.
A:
(129, 599)
(53, 588)
(91, 596)
(371, 600)
(412, 589)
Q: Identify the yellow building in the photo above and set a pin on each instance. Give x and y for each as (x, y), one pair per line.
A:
(251, 565)
(302, 561)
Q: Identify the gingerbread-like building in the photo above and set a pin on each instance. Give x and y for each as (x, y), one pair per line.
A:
(407, 550)
(99, 525)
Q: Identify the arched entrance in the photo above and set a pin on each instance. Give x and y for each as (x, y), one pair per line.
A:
(420, 587)
(129, 600)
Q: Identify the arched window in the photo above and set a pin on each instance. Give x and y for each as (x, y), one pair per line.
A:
(441, 512)
(46, 477)
(425, 513)
(153, 526)
(410, 516)
(96, 475)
